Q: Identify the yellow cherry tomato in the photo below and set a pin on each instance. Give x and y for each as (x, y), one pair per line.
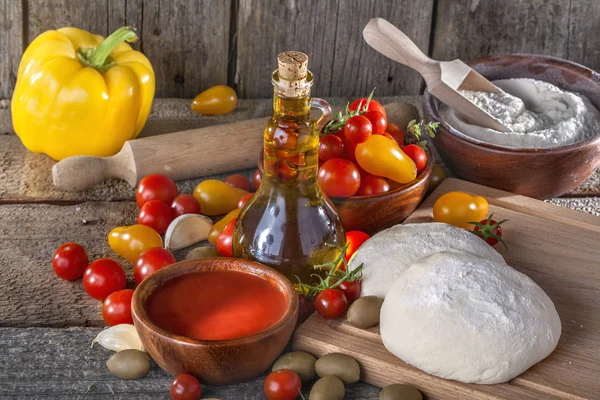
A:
(218, 227)
(130, 241)
(217, 100)
(217, 197)
(380, 156)
(459, 208)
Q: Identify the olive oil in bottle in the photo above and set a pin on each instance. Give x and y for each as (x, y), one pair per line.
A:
(289, 224)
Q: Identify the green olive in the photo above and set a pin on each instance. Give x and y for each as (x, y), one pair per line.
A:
(300, 362)
(327, 388)
(364, 312)
(437, 176)
(337, 364)
(129, 364)
(202, 252)
(400, 392)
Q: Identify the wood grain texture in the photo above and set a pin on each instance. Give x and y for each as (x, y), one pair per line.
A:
(469, 29)
(330, 33)
(32, 295)
(59, 364)
(554, 246)
(187, 42)
(11, 44)
(584, 28)
(52, 14)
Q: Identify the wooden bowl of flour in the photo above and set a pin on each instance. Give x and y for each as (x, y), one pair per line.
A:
(536, 172)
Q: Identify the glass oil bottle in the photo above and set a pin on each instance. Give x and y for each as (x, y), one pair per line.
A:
(289, 224)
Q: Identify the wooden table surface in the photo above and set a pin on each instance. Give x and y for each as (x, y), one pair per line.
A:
(46, 324)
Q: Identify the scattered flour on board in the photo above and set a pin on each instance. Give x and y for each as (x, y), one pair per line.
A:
(538, 114)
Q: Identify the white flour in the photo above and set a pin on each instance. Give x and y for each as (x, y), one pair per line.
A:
(539, 115)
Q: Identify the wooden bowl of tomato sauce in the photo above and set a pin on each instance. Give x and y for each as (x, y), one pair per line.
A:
(224, 320)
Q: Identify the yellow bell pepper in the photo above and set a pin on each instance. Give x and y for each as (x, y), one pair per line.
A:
(80, 94)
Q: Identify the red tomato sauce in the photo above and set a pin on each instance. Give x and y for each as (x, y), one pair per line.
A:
(216, 305)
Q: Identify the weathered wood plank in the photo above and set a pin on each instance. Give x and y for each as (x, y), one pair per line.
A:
(584, 30)
(26, 176)
(59, 364)
(51, 14)
(187, 42)
(330, 32)
(468, 29)
(11, 44)
(32, 295)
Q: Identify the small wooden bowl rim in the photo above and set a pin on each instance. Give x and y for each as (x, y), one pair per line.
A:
(430, 107)
(164, 275)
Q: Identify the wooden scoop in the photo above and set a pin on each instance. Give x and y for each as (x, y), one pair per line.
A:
(444, 78)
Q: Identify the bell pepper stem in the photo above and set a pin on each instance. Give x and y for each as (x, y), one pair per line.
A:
(99, 58)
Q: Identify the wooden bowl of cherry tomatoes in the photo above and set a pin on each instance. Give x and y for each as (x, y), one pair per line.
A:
(373, 176)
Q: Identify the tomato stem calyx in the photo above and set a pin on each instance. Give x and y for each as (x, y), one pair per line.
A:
(486, 230)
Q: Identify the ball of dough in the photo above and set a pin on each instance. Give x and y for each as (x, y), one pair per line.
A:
(390, 252)
(462, 317)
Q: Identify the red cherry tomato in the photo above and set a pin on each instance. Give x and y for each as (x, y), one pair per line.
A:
(151, 261)
(185, 387)
(156, 215)
(374, 105)
(387, 135)
(490, 230)
(238, 181)
(354, 239)
(184, 204)
(103, 277)
(378, 121)
(358, 129)
(331, 303)
(371, 184)
(417, 154)
(305, 308)
(256, 179)
(284, 384)
(330, 146)
(351, 290)
(156, 187)
(244, 200)
(70, 261)
(396, 132)
(225, 240)
(116, 308)
(339, 178)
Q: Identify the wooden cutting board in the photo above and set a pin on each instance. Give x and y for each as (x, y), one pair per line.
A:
(559, 249)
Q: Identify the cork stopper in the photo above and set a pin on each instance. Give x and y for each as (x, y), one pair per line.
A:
(292, 65)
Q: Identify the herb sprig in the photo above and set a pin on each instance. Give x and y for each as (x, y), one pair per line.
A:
(340, 118)
(415, 132)
(334, 277)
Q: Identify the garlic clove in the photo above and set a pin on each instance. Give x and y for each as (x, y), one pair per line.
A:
(187, 230)
(119, 337)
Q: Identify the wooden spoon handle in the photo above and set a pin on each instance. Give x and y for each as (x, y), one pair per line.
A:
(394, 44)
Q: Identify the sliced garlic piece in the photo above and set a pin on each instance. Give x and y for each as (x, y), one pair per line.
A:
(187, 230)
(119, 337)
